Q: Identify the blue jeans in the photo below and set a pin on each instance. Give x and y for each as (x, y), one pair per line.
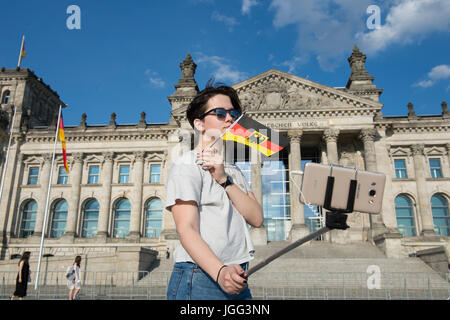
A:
(189, 282)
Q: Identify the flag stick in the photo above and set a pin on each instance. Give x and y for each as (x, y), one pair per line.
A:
(225, 132)
(7, 153)
(20, 53)
(46, 204)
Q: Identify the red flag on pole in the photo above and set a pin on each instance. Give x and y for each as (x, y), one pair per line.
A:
(63, 140)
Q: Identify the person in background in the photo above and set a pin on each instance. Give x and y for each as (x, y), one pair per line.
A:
(23, 277)
(75, 284)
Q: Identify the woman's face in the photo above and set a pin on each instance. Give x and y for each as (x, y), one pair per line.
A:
(211, 125)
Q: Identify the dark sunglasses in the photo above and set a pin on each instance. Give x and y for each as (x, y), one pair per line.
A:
(221, 113)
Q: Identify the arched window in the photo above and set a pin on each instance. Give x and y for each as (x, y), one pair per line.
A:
(59, 219)
(153, 218)
(6, 97)
(441, 218)
(122, 212)
(28, 219)
(90, 219)
(405, 216)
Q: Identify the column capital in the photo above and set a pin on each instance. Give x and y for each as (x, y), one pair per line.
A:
(295, 135)
(139, 155)
(448, 147)
(77, 157)
(331, 135)
(108, 156)
(418, 149)
(368, 135)
(47, 157)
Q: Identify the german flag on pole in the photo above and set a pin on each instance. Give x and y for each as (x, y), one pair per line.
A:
(255, 135)
(63, 140)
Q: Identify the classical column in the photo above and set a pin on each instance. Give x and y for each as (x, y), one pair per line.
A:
(74, 201)
(105, 198)
(299, 228)
(44, 176)
(370, 163)
(422, 192)
(448, 151)
(331, 136)
(137, 195)
(259, 236)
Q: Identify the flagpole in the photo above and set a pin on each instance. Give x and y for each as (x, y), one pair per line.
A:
(46, 204)
(7, 153)
(20, 53)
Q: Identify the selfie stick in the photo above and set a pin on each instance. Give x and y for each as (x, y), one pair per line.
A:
(225, 132)
(335, 219)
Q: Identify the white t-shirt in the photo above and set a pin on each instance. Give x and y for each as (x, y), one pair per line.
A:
(222, 227)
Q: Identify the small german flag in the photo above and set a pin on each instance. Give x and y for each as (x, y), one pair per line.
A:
(255, 135)
(63, 140)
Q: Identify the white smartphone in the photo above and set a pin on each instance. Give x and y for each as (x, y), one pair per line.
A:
(369, 188)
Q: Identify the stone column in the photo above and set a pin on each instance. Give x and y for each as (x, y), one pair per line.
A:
(105, 198)
(422, 192)
(448, 151)
(74, 201)
(7, 200)
(259, 236)
(299, 228)
(44, 177)
(331, 136)
(137, 196)
(368, 136)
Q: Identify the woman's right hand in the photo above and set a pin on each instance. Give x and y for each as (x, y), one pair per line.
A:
(232, 279)
(20, 280)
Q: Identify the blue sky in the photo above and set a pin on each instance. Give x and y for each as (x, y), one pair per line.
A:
(125, 58)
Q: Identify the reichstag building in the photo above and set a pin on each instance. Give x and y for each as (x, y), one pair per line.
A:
(112, 200)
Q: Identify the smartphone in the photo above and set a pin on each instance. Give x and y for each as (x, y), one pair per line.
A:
(369, 187)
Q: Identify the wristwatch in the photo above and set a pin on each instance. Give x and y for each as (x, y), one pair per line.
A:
(227, 183)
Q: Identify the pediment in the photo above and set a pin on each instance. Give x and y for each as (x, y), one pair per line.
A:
(434, 151)
(33, 160)
(281, 91)
(155, 157)
(400, 152)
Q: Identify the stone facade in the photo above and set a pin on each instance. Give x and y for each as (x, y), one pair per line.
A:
(341, 125)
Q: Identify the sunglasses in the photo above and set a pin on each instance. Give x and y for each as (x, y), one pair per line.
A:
(221, 113)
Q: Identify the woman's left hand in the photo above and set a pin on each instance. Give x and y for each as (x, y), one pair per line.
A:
(213, 161)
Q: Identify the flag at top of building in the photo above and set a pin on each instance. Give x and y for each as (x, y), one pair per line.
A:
(63, 140)
(22, 52)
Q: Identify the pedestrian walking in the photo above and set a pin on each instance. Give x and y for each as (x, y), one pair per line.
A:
(73, 278)
(23, 277)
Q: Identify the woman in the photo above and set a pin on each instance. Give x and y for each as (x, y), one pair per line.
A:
(22, 277)
(211, 204)
(75, 284)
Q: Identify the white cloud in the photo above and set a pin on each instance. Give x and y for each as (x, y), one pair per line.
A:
(326, 28)
(247, 5)
(223, 70)
(229, 21)
(408, 21)
(440, 72)
(154, 79)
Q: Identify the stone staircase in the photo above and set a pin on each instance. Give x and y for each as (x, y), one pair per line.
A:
(321, 270)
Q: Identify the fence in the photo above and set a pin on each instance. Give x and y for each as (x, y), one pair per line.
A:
(275, 286)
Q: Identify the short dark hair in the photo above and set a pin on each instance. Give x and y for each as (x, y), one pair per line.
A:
(197, 107)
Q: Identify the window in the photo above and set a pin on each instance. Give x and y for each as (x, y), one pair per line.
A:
(441, 218)
(6, 97)
(122, 211)
(93, 174)
(435, 167)
(124, 174)
(400, 168)
(28, 219)
(33, 175)
(405, 216)
(153, 223)
(90, 219)
(155, 173)
(62, 176)
(59, 219)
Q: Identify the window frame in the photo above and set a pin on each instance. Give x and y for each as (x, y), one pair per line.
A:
(433, 169)
(400, 170)
(30, 168)
(93, 175)
(155, 174)
(64, 175)
(123, 175)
